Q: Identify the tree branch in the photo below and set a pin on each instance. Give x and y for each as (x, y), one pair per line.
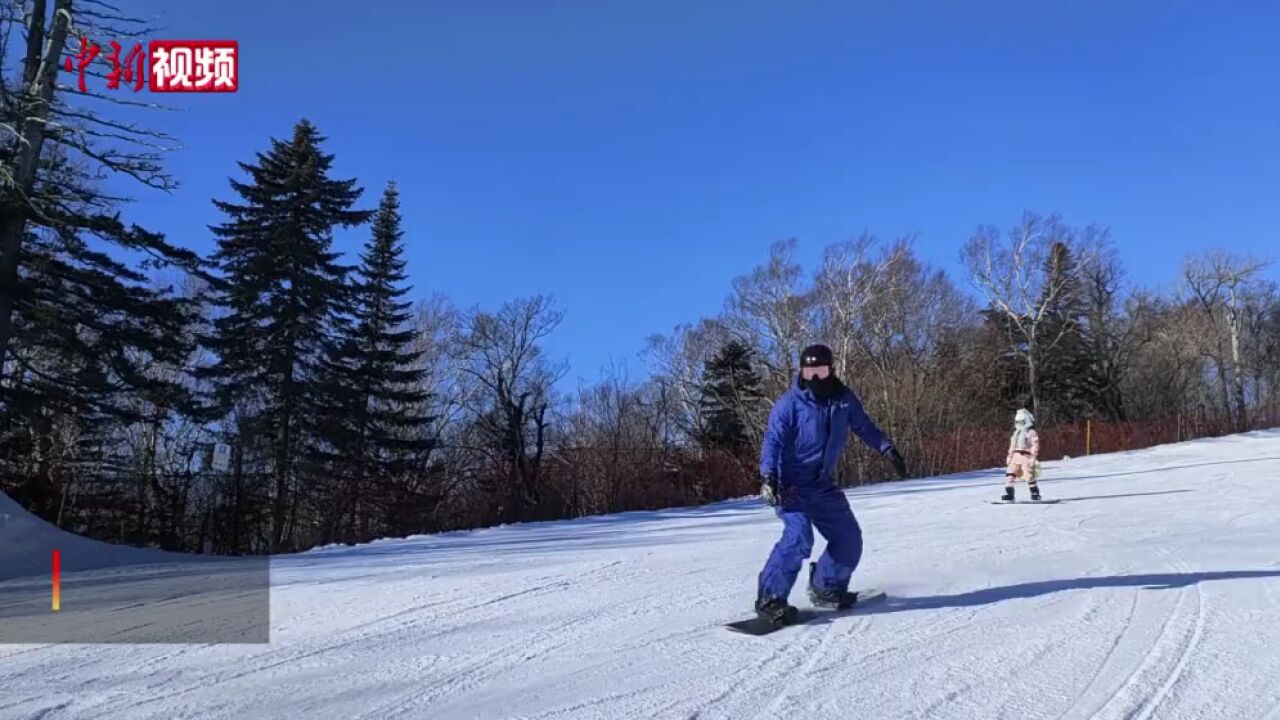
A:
(71, 90)
(146, 169)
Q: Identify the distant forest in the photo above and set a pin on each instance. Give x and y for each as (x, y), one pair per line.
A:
(277, 395)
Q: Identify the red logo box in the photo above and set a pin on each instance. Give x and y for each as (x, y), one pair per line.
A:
(194, 65)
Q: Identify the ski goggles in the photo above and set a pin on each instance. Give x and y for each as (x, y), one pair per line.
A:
(816, 373)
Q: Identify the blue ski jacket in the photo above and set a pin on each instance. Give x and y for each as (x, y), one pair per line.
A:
(805, 437)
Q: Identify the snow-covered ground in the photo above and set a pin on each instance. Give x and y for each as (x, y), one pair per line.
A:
(1151, 591)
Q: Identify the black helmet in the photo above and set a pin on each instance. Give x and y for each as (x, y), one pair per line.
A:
(816, 355)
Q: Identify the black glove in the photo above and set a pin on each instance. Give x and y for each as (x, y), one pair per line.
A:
(769, 491)
(899, 465)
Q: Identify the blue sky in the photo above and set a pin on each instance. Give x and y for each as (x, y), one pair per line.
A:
(632, 158)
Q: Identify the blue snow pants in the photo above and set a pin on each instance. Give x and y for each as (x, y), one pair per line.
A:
(828, 509)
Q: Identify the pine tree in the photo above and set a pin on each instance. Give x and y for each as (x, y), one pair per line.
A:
(376, 422)
(56, 150)
(281, 288)
(79, 326)
(85, 328)
(731, 389)
(1109, 335)
(1067, 377)
(1008, 369)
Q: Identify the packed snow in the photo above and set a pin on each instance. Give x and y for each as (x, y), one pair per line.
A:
(1151, 591)
(120, 594)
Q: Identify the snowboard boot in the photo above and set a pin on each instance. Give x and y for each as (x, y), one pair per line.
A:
(835, 599)
(1035, 493)
(1008, 493)
(776, 611)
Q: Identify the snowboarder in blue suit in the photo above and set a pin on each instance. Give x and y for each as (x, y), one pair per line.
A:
(807, 431)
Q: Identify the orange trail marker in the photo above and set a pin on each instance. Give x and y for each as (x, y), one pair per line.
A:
(57, 584)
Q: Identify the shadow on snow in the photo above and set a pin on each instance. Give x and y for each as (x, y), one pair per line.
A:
(1167, 468)
(990, 596)
(1120, 495)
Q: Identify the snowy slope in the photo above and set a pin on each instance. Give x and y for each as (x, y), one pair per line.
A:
(119, 594)
(27, 542)
(1151, 591)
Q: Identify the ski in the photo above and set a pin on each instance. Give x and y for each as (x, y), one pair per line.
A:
(1024, 502)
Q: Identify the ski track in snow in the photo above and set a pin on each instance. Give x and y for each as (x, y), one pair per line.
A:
(1152, 591)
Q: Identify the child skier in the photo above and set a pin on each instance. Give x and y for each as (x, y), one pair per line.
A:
(1023, 460)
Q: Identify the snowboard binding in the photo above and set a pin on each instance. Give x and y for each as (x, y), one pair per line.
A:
(835, 599)
(776, 611)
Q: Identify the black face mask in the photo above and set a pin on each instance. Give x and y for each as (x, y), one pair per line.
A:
(823, 388)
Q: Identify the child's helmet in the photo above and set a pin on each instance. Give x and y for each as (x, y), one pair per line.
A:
(1023, 418)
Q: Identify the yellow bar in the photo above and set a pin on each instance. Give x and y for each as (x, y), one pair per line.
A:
(1088, 437)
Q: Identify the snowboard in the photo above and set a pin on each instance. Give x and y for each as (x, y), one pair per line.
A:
(1025, 502)
(754, 625)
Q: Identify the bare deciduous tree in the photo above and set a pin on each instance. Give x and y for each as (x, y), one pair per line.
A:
(847, 281)
(903, 328)
(1219, 283)
(676, 363)
(614, 449)
(1113, 325)
(1011, 275)
(768, 310)
(504, 355)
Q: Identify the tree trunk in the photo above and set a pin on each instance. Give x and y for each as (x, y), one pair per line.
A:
(238, 483)
(1237, 364)
(1031, 380)
(282, 455)
(41, 75)
(1225, 387)
(280, 507)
